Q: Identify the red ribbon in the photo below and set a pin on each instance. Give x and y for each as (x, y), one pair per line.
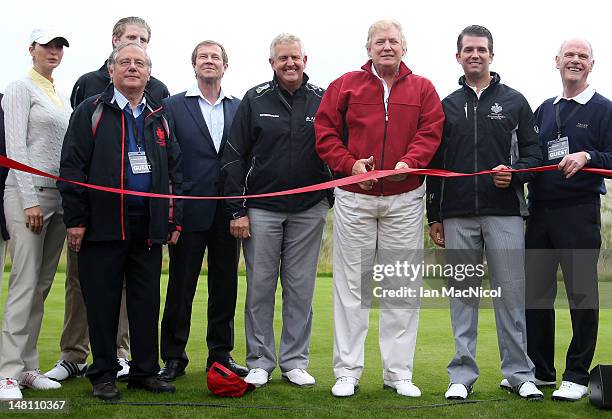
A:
(374, 174)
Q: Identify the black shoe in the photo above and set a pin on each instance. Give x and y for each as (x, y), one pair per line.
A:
(229, 363)
(172, 369)
(106, 391)
(152, 384)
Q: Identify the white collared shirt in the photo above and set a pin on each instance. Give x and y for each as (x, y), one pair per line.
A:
(123, 102)
(582, 98)
(475, 89)
(212, 113)
(385, 87)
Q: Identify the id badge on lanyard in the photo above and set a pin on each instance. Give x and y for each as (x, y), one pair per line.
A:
(558, 148)
(139, 162)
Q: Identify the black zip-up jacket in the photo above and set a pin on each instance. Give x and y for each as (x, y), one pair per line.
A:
(95, 151)
(480, 134)
(271, 148)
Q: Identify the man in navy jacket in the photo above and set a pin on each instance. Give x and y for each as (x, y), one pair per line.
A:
(564, 228)
(201, 118)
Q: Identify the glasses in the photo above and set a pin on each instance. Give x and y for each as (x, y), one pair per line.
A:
(125, 63)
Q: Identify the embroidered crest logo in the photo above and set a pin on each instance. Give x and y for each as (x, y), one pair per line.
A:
(161, 137)
(496, 112)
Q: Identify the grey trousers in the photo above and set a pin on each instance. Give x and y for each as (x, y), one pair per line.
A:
(289, 244)
(502, 238)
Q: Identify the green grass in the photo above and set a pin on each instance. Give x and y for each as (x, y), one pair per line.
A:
(434, 350)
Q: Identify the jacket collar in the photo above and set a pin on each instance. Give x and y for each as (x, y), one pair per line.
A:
(104, 69)
(109, 93)
(495, 80)
(275, 82)
(403, 70)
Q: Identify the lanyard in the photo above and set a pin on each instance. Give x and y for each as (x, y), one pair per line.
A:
(134, 123)
(136, 136)
(561, 125)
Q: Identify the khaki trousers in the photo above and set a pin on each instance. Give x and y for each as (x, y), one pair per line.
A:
(2, 257)
(35, 258)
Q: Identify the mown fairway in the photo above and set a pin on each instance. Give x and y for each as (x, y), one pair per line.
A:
(434, 349)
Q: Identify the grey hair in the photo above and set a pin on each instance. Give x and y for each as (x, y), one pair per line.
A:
(575, 39)
(112, 59)
(285, 38)
(386, 24)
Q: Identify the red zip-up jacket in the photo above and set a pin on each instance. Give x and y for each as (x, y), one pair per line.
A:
(409, 130)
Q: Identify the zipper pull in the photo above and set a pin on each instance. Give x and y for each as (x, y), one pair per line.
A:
(387, 110)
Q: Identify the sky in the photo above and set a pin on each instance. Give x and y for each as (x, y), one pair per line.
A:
(527, 35)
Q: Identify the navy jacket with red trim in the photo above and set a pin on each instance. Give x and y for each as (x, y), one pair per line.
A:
(95, 151)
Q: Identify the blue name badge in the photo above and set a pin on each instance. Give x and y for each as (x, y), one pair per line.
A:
(139, 162)
(558, 148)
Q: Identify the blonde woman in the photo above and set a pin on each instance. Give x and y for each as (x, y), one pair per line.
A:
(36, 119)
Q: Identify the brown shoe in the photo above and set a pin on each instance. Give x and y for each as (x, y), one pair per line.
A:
(106, 391)
(152, 384)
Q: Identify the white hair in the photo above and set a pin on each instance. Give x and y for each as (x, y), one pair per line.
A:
(285, 38)
(386, 24)
(559, 53)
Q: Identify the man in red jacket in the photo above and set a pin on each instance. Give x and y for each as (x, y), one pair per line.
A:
(382, 117)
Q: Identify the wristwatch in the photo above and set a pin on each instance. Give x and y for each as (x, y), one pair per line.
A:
(588, 157)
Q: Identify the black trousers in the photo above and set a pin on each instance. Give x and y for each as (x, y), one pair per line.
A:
(569, 237)
(102, 269)
(185, 264)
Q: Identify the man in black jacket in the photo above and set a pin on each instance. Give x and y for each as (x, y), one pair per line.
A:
(488, 126)
(127, 29)
(74, 343)
(120, 139)
(272, 148)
